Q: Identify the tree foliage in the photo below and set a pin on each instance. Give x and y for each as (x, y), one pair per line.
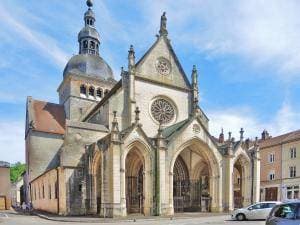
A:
(16, 171)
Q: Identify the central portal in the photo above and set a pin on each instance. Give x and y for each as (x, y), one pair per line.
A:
(191, 183)
(134, 182)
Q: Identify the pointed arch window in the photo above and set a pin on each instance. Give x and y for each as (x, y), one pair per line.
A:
(91, 91)
(106, 91)
(83, 89)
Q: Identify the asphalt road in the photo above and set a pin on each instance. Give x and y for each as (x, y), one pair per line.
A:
(11, 218)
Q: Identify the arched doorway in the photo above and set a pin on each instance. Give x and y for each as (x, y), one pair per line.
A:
(191, 181)
(134, 180)
(237, 186)
(96, 183)
(241, 181)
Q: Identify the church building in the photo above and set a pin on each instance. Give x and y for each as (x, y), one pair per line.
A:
(137, 145)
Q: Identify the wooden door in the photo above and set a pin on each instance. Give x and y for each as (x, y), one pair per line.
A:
(271, 194)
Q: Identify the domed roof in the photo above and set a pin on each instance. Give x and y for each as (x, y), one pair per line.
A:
(90, 66)
(89, 13)
(88, 32)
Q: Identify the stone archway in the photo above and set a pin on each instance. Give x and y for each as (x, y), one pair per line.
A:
(96, 191)
(136, 181)
(241, 181)
(194, 180)
(134, 176)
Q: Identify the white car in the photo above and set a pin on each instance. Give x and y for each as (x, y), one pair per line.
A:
(258, 211)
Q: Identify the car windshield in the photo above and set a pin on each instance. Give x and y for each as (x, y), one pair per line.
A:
(287, 211)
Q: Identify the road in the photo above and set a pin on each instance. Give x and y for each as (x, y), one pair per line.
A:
(11, 218)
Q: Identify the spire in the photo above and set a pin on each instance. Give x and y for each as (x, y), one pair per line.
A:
(242, 134)
(88, 37)
(229, 136)
(195, 87)
(115, 135)
(221, 137)
(131, 58)
(163, 25)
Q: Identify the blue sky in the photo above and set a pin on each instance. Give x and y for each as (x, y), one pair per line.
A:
(247, 54)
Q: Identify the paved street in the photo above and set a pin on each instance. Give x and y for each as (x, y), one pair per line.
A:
(11, 218)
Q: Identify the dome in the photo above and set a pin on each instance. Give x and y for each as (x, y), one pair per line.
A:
(88, 32)
(89, 13)
(89, 65)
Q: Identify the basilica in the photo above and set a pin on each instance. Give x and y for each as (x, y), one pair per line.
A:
(138, 145)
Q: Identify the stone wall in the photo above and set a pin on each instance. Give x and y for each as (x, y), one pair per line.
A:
(44, 192)
(42, 152)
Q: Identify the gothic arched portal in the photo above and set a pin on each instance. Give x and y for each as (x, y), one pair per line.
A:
(134, 175)
(191, 175)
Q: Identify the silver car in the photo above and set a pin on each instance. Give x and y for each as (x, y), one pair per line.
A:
(258, 211)
(285, 214)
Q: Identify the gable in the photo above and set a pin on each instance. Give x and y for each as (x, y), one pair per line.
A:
(147, 67)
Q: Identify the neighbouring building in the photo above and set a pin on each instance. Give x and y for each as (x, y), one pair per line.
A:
(5, 187)
(137, 145)
(17, 192)
(280, 160)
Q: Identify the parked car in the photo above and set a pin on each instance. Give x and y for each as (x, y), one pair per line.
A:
(285, 214)
(258, 211)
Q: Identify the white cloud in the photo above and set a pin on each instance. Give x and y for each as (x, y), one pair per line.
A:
(12, 145)
(263, 32)
(43, 43)
(233, 119)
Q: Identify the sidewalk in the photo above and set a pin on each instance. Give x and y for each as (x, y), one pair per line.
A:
(130, 218)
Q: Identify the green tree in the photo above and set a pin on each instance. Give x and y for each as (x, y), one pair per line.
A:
(16, 171)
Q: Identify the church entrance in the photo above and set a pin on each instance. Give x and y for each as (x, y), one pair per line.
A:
(191, 183)
(241, 182)
(134, 182)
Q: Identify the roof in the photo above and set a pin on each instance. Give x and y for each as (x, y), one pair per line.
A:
(46, 117)
(294, 135)
(168, 131)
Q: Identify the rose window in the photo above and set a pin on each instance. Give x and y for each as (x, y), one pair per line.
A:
(162, 111)
(163, 66)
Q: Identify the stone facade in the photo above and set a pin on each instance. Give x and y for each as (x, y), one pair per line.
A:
(143, 147)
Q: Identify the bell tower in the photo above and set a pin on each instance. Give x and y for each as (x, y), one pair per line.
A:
(87, 78)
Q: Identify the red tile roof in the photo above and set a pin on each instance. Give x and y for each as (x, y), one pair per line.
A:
(48, 117)
(280, 139)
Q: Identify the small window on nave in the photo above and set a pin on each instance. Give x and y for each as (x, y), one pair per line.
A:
(106, 91)
(91, 91)
(99, 93)
(83, 89)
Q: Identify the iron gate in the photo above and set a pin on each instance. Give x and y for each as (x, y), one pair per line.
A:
(134, 197)
(190, 196)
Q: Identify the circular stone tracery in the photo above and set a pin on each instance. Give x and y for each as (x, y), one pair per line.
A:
(162, 111)
(163, 66)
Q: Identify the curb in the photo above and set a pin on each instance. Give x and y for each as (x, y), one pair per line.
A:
(112, 220)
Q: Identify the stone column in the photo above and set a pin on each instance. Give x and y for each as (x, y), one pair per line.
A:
(228, 179)
(256, 174)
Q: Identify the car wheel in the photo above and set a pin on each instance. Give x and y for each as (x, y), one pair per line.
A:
(240, 217)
